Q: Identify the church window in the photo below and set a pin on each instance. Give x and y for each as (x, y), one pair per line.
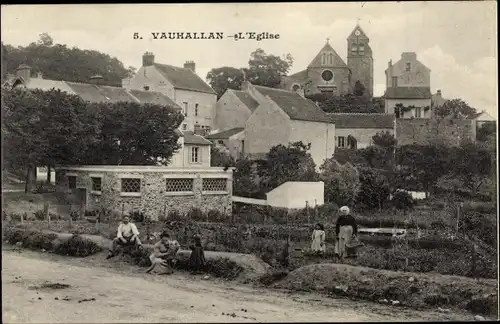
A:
(361, 49)
(327, 75)
(323, 59)
(408, 67)
(354, 48)
(295, 87)
(394, 82)
(330, 59)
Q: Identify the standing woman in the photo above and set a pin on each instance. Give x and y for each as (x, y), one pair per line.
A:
(345, 230)
(318, 239)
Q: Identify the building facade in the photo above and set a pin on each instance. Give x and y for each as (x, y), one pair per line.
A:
(233, 109)
(328, 72)
(408, 92)
(182, 85)
(154, 191)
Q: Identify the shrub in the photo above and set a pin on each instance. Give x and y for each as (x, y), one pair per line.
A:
(39, 215)
(78, 246)
(403, 200)
(137, 216)
(196, 214)
(174, 215)
(29, 239)
(215, 215)
(374, 190)
(75, 215)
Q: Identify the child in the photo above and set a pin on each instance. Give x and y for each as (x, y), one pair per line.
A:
(197, 258)
(318, 239)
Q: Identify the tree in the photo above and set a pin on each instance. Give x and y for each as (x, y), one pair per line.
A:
(134, 134)
(359, 89)
(59, 62)
(374, 189)
(266, 69)
(455, 108)
(472, 164)
(485, 130)
(220, 158)
(385, 139)
(341, 182)
(347, 103)
(245, 179)
(223, 78)
(287, 163)
(24, 143)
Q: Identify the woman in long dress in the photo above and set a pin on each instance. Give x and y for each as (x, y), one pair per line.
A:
(197, 258)
(318, 239)
(345, 230)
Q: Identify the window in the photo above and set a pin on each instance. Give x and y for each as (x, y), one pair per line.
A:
(131, 185)
(354, 48)
(408, 67)
(397, 112)
(394, 82)
(184, 126)
(195, 155)
(72, 182)
(323, 58)
(341, 141)
(327, 75)
(361, 49)
(185, 108)
(221, 142)
(96, 183)
(330, 59)
(214, 184)
(146, 88)
(196, 109)
(418, 112)
(179, 185)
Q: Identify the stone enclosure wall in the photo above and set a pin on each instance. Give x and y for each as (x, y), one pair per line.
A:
(425, 131)
(154, 191)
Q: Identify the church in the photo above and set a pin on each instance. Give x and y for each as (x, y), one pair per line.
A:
(328, 72)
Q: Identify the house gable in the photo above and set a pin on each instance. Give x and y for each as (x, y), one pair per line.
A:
(318, 62)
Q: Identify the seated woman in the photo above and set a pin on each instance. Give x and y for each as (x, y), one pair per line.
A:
(163, 254)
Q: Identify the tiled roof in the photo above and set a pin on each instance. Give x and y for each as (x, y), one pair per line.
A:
(408, 93)
(295, 106)
(89, 92)
(192, 138)
(154, 98)
(47, 85)
(246, 99)
(183, 78)
(302, 75)
(115, 94)
(225, 134)
(353, 120)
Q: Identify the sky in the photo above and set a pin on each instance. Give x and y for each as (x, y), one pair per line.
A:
(456, 40)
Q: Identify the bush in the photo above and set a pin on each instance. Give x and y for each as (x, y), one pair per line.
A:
(374, 190)
(215, 215)
(30, 239)
(174, 215)
(39, 215)
(137, 216)
(78, 246)
(403, 200)
(196, 214)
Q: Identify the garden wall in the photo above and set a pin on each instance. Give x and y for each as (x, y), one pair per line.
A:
(154, 191)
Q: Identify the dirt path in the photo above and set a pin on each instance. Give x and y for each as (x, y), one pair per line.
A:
(125, 296)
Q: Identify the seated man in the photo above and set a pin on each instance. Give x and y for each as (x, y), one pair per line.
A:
(164, 254)
(127, 235)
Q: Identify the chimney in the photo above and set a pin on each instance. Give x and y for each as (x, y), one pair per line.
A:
(96, 79)
(439, 93)
(148, 59)
(23, 71)
(190, 65)
(39, 75)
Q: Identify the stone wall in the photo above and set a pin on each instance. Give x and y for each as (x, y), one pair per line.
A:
(425, 131)
(154, 199)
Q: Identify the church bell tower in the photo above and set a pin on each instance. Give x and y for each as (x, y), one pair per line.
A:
(360, 61)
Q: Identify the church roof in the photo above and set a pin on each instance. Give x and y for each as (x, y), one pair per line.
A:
(302, 75)
(362, 34)
(408, 93)
(183, 78)
(294, 105)
(355, 120)
(337, 60)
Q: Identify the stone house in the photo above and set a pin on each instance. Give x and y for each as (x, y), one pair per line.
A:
(231, 141)
(233, 109)
(153, 190)
(355, 131)
(408, 93)
(195, 150)
(328, 72)
(283, 117)
(182, 85)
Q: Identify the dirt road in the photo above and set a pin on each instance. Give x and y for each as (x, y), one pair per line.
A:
(96, 294)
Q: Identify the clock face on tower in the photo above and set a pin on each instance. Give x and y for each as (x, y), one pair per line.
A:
(357, 33)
